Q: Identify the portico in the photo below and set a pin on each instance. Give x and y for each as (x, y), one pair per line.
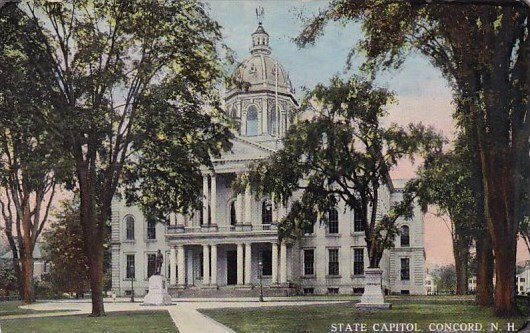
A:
(228, 263)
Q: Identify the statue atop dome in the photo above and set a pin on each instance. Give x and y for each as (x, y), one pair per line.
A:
(260, 14)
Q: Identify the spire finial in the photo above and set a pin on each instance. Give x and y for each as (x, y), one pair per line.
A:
(260, 14)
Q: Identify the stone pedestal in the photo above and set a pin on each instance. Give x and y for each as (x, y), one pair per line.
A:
(157, 294)
(373, 297)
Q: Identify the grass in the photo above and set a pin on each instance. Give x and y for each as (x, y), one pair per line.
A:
(12, 308)
(113, 322)
(319, 318)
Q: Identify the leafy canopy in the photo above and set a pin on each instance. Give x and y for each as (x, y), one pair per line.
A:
(343, 153)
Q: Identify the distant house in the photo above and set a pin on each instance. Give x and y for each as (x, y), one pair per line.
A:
(40, 266)
(522, 280)
(472, 284)
(430, 286)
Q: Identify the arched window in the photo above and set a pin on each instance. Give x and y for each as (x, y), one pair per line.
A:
(129, 227)
(333, 223)
(271, 120)
(252, 120)
(266, 212)
(233, 216)
(405, 236)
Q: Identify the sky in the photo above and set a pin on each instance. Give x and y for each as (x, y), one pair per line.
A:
(422, 93)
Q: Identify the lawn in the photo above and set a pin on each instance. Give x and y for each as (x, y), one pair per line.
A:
(319, 318)
(12, 308)
(113, 322)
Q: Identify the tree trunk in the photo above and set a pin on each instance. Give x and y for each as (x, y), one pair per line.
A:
(498, 202)
(93, 236)
(485, 267)
(95, 258)
(461, 254)
(26, 281)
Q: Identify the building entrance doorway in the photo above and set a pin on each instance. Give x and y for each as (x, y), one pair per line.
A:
(231, 267)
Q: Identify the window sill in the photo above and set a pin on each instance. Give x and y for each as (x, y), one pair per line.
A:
(357, 276)
(313, 276)
(309, 235)
(129, 241)
(150, 240)
(357, 233)
(129, 279)
(332, 235)
(333, 276)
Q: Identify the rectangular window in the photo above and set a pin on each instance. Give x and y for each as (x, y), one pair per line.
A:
(309, 291)
(266, 260)
(405, 269)
(309, 229)
(309, 262)
(358, 291)
(358, 261)
(333, 223)
(151, 264)
(130, 273)
(151, 230)
(333, 263)
(522, 280)
(333, 291)
(358, 224)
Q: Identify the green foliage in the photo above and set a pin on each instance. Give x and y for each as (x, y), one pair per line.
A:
(448, 181)
(445, 278)
(63, 249)
(343, 153)
(8, 279)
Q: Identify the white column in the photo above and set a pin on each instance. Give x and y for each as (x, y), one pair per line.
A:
(248, 203)
(214, 265)
(181, 265)
(239, 208)
(205, 197)
(173, 219)
(239, 264)
(248, 263)
(264, 116)
(274, 262)
(274, 210)
(213, 199)
(283, 262)
(205, 264)
(172, 266)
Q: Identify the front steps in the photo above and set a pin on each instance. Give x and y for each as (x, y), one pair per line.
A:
(230, 291)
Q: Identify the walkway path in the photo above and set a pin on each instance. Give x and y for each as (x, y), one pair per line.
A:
(183, 312)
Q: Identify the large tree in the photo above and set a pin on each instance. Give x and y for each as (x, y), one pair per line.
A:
(31, 166)
(344, 153)
(447, 181)
(120, 67)
(482, 49)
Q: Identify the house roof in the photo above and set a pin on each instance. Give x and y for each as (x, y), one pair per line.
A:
(37, 253)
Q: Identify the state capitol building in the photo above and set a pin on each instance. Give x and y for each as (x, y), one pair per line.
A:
(225, 248)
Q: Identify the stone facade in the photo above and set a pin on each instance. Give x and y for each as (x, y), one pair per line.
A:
(238, 243)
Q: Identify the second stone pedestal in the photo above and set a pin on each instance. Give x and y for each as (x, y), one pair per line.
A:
(373, 297)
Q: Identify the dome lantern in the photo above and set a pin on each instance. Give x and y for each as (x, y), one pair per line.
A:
(260, 41)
